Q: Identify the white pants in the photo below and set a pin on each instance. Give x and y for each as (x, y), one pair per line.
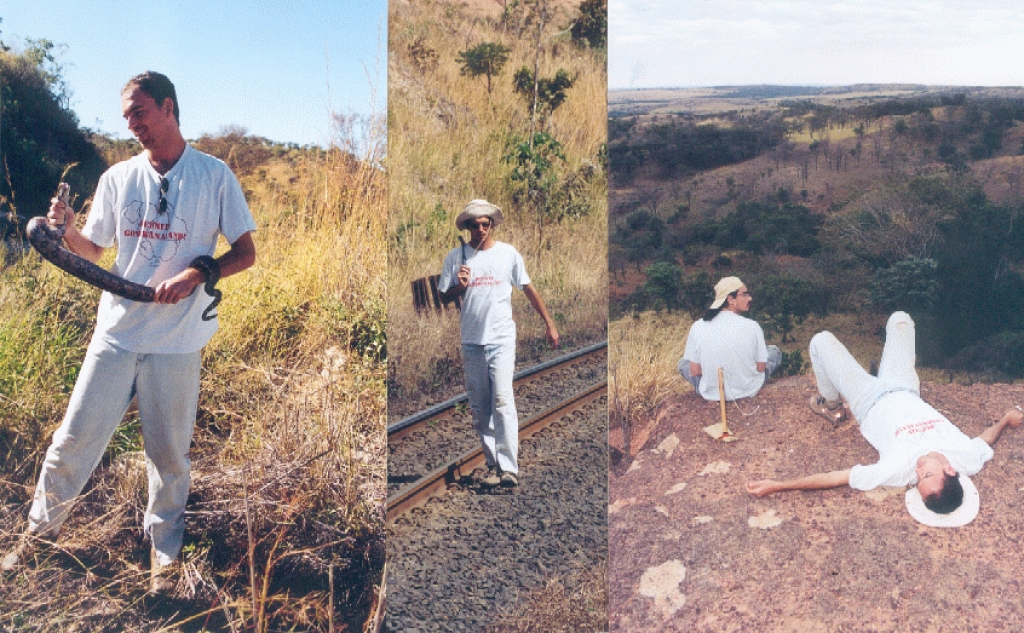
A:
(837, 372)
(167, 387)
(489, 370)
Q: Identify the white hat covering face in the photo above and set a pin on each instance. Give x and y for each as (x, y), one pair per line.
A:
(725, 287)
(957, 518)
(478, 209)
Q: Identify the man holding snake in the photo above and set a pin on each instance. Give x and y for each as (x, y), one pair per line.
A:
(163, 210)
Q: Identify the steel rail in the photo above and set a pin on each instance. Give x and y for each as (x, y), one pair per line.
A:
(434, 482)
(407, 425)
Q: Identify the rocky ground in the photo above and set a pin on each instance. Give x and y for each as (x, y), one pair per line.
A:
(691, 551)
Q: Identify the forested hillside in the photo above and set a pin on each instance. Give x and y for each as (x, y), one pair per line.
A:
(826, 205)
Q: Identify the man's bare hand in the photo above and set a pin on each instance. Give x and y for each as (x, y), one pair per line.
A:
(552, 333)
(60, 214)
(462, 277)
(178, 287)
(762, 487)
(1014, 417)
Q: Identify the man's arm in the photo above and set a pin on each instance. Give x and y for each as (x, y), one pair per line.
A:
(460, 285)
(761, 367)
(538, 305)
(1011, 418)
(77, 243)
(240, 256)
(695, 369)
(821, 481)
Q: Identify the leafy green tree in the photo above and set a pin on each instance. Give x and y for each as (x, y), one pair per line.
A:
(592, 25)
(533, 174)
(485, 59)
(664, 284)
(782, 302)
(550, 92)
(40, 137)
(910, 285)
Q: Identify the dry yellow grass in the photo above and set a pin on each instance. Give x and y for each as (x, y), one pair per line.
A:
(447, 138)
(289, 450)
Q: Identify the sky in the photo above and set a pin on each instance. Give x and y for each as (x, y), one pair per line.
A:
(275, 67)
(689, 43)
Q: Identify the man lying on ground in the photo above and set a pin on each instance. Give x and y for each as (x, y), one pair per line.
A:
(916, 444)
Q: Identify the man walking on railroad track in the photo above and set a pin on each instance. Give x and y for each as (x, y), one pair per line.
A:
(916, 444)
(484, 272)
(163, 210)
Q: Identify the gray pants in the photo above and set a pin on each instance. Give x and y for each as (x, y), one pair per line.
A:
(774, 359)
(167, 386)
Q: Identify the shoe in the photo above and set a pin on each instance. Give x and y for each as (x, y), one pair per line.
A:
(25, 547)
(509, 480)
(491, 478)
(834, 411)
(162, 578)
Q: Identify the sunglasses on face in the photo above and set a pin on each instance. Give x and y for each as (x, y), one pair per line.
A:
(162, 205)
(480, 225)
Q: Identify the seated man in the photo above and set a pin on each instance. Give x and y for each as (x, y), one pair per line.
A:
(916, 444)
(723, 338)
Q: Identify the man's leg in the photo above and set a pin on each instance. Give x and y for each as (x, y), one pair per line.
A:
(100, 398)
(168, 393)
(774, 360)
(684, 371)
(481, 398)
(897, 365)
(502, 365)
(837, 372)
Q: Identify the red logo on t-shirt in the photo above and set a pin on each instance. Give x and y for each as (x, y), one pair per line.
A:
(917, 427)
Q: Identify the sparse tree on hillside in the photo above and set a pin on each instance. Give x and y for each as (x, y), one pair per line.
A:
(592, 25)
(486, 59)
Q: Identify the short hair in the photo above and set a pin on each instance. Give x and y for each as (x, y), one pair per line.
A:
(947, 499)
(156, 85)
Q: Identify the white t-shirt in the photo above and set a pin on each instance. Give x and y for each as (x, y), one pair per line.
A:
(487, 304)
(902, 427)
(204, 201)
(734, 343)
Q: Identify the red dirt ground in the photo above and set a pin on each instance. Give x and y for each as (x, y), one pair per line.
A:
(837, 560)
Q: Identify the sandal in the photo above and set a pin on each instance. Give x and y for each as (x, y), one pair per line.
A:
(834, 412)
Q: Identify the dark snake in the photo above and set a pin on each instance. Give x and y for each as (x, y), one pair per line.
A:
(47, 240)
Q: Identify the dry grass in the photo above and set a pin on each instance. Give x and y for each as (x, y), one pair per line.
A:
(447, 137)
(571, 605)
(289, 448)
(645, 350)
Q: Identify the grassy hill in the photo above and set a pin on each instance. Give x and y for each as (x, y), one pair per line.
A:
(288, 456)
(830, 203)
(451, 140)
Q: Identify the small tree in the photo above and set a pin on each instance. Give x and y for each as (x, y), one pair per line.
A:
(909, 285)
(592, 25)
(550, 92)
(533, 171)
(784, 302)
(664, 283)
(486, 59)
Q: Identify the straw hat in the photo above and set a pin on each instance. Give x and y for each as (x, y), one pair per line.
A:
(478, 209)
(957, 518)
